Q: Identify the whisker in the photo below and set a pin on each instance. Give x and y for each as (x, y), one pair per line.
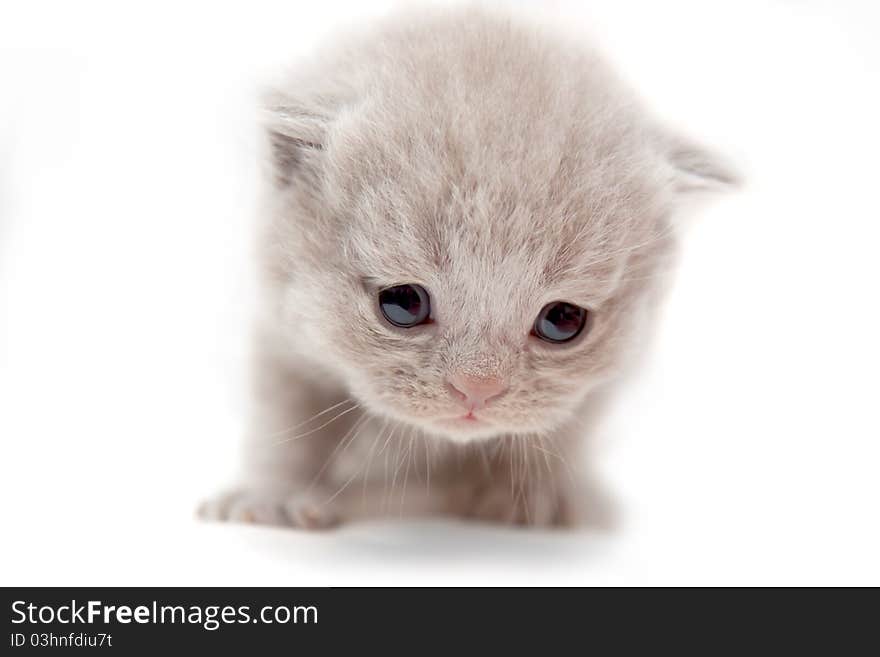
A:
(356, 472)
(561, 459)
(539, 447)
(406, 473)
(401, 457)
(343, 444)
(369, 463)
(427, 463)
(305, 422)
(344, 486)
(512, 478)
(484, 460)
(316, 429)
(388, 493)
(523, 494)
(390, 435)
(527, 470)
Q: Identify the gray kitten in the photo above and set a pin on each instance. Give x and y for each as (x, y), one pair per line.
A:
(468, 223)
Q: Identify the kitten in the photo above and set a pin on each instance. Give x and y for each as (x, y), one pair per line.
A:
(467, 226)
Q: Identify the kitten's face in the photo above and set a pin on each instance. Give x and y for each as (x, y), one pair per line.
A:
(482, 363)
(485, 304)
(491, 201)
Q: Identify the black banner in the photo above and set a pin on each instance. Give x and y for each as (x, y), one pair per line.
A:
(149, 620)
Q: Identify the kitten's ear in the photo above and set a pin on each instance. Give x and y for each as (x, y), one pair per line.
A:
(697, 169)
(296, 132)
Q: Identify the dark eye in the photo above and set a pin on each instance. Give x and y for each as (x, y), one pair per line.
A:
(560, 322)
(405, 305)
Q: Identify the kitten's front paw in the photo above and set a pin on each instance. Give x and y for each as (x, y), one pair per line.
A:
(542, 503)
(497, 502)
(268, 507)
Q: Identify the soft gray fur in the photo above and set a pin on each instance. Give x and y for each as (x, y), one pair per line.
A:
(500, 165)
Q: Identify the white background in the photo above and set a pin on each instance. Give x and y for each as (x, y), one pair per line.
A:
(746, 454)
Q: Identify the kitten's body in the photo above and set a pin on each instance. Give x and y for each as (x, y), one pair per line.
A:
(502, 168)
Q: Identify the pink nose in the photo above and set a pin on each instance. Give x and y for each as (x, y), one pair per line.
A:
(475, 392)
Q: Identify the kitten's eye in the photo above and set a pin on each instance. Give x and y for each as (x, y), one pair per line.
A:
(405, 305)
(560, 322)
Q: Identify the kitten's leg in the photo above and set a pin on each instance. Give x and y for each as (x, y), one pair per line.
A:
(389, 473)
(543, 481)
(298, 423)
(527, 480)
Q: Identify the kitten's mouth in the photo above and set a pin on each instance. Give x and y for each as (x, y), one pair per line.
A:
(466, 427)
(462, 421)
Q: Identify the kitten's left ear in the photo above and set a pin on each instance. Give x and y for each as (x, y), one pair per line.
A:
(697, 169)
(296, 130)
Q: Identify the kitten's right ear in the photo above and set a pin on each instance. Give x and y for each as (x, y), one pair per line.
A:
(296, 132)
(698, 169)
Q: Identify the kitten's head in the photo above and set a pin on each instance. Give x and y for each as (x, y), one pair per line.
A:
(470, 221)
